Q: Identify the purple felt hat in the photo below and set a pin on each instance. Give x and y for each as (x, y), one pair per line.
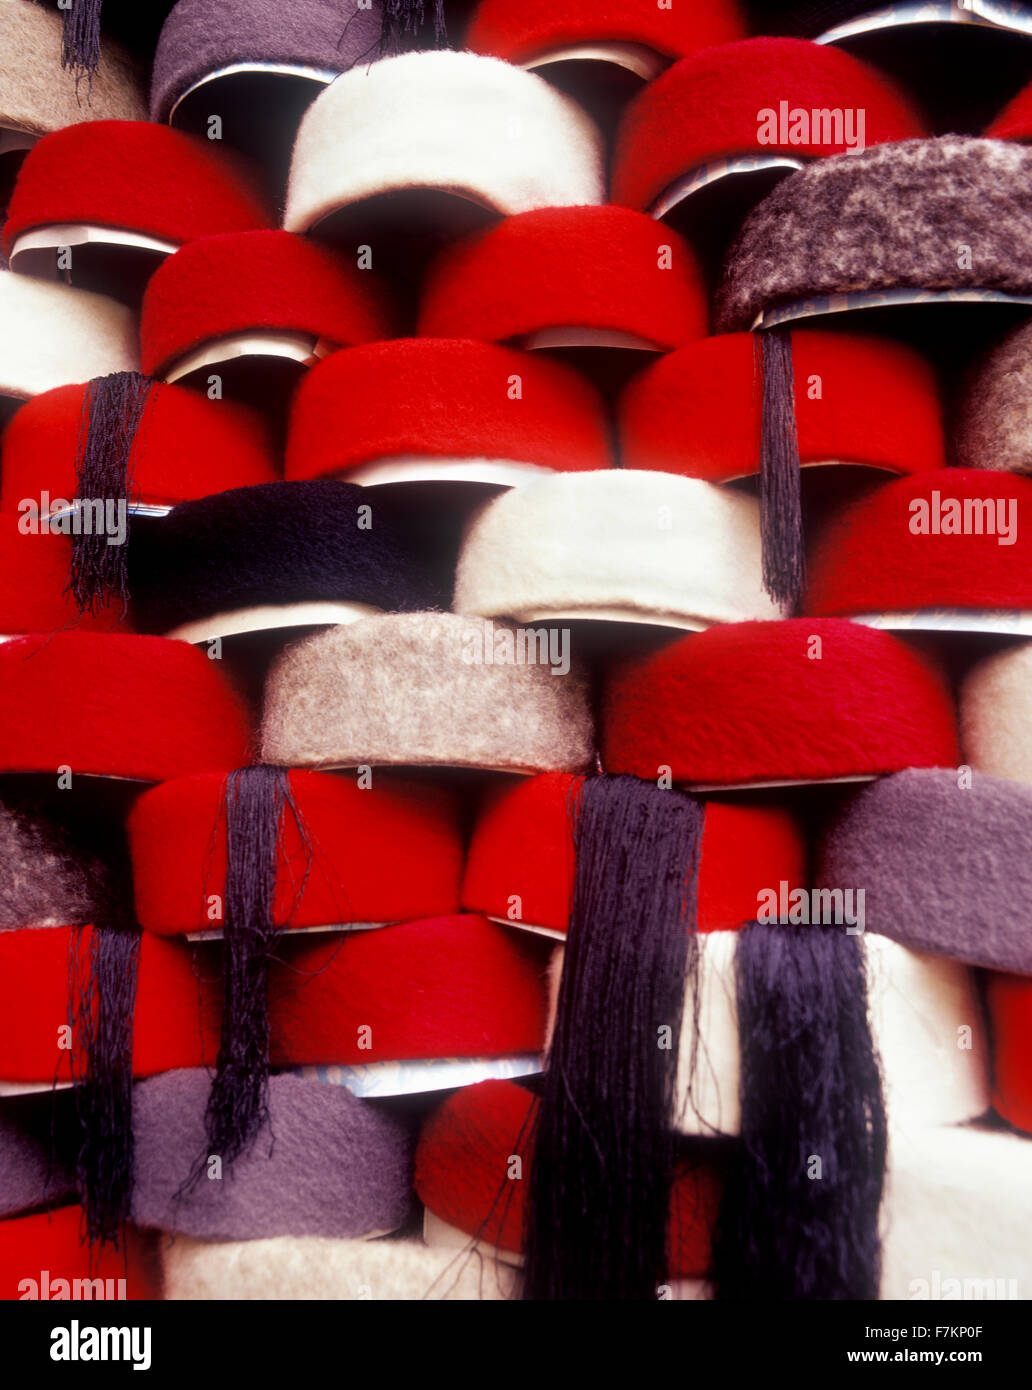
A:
(325, 1164)
(35, 1169)
(307, 38)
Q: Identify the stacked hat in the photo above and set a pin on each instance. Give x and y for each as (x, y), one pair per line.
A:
(747, 704)
(916, 200)
(229, 57)
(641, 36)
(622, 546)
(952, 540)
(35, 594)
(784, 101)
(54, 335)
(428, 689)
(995, 710)
(244, 293)
(288, 554)
(42, 1257)
(472, 127)
(36, 1169)
(994, 421)
(133, 183)
(561, 276)
(443, 409)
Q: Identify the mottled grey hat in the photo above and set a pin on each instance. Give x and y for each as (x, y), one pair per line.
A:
(993, 428)
(317, 38)
(46, 879)
(949, 213)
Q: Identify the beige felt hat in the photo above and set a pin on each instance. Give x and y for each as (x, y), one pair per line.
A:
(428, 689)
(996, 714)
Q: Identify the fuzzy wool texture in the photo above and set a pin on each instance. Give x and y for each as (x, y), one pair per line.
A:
(604, 268)
(277, 543)
(650, 545)
(1009, 998)
(325, 1164)
(455, 121)
(38, 95)
(522, 30)
(941, 864)
(996, 715)
(231, 446)
(54, 335)
(956, 1216)
(52, 1241)
(134, 176)
(201, 36)
(889, 218)
(522, 847)
(46, 878)
(417, 689)
(176, 1019)
(993, 427)
(464, 1159)
(868, 558)
(390, 852)
(116, 705)
(714, 384)
(436, 988)
(34, 1171)
(763, 702)
(706, 107)
(317, 1269)
(462, 400)
(34, 570)
(259, 281)
(916, 1003)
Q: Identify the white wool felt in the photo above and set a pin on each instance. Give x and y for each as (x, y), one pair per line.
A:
(312, 1267)
(996, 714)
(644, 546)
(918, 1005)
(443, 120)
(56, 336)
(956, 1215)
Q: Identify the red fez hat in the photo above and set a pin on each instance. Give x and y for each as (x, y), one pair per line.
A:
(34, 585)
(1010, 1009)
(43, 1257)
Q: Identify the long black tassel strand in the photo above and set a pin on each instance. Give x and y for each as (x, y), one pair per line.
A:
(781, 509)
(256, 801)
(603, 1145)
(102, 1000)
(401, 17)
(81, 38)
(113, 412)
(799, 1219)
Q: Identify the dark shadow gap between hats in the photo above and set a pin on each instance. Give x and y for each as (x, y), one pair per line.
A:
(264, 381)
(601, 87)
(119, 271)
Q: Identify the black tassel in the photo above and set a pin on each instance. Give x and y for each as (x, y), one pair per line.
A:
(603, 1143)
(799, 1219)
(102, 1001)
(81, 38)
(402, 17)
(113, 411)
(781, 509)
(256, 800)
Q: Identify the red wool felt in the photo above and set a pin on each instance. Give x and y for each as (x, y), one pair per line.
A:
(34, 570)
(175, 1023)
(522, 846)
(464, 1158)
(870, 559)
(1010, 1009)
(135, 176)
(746, 702)
(707, 107)
(518, 30)
(265, 280)
(387, 853)
(116, 705)
(1014, 122)
(230, 445)
(443, 398)
(593, 267)
(444, 987)
(698, 410)
(48, 1247)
